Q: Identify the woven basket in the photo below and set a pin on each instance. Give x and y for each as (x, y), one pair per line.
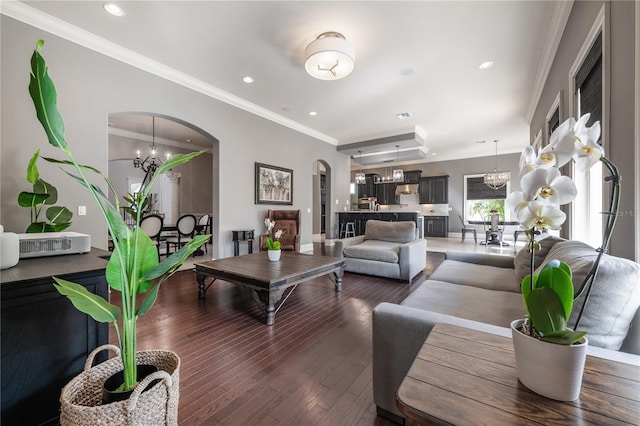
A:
(81, 398)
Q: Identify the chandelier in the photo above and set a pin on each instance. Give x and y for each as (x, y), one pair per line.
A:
(152, 162)
(329, 57)
(497, 178)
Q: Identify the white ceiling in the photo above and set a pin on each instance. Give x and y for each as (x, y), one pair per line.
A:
(419, 57)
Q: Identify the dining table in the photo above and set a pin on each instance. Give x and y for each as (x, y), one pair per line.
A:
(495, 238)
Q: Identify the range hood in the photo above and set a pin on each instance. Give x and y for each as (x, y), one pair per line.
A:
(404, 188)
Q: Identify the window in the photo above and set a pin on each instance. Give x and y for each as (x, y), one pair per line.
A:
(587, 208)
(479, 199)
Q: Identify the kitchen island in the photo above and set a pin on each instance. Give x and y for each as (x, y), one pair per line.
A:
(360, 218)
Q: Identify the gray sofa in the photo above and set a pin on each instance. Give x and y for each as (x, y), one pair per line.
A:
(482, 292)
(387, 249)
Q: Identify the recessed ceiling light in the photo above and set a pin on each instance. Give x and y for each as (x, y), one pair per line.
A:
(485, 65)
(433, 153)
(312, 113)
(247, 79)
(113, 9)
(480, 141)
(403, 115)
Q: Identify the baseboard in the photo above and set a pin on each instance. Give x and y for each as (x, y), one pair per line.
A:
(306, 248)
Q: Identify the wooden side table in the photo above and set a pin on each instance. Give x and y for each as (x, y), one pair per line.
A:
(467, 377)
(242, 235)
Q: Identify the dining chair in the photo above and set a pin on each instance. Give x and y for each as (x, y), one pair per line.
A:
(152, 226)
(467, 228)
(185, 230)
(204, 227)
(492, 228)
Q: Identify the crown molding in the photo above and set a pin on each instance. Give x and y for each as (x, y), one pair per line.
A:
(63, 29)
(561, 14)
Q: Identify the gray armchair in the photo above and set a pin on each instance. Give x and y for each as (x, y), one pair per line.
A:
(387, 249)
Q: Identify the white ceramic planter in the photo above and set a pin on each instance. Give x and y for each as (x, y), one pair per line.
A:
(9, 249)
(549, 369)
(274, 255)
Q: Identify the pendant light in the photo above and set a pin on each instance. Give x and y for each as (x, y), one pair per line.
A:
(497, 178)
(360, 178)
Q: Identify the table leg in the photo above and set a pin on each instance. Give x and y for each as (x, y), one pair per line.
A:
(338, 275)
(270, 312)
(202, 287)
(250, 245)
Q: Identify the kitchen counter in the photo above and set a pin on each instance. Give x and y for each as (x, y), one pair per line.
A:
(360, 218)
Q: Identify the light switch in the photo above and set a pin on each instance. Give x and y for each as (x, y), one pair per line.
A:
(337, 201)
(308, 209)
(82, 210)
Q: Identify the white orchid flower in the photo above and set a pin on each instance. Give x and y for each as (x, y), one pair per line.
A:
(549, 186)
(517, 201)
(269, 224)
(561, 145)
(527, 160)
(541, 216)
(278, 234)
(587, 150)
(557, 155)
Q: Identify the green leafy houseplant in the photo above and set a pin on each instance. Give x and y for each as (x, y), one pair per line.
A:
(548, 296)
(133, 269)
(44, 194)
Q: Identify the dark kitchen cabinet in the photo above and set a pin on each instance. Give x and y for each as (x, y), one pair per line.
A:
(367, 189)
(360, 219)
(45, 339)
(436, 226)
(434, 190)
(412, 176)
(386, 193)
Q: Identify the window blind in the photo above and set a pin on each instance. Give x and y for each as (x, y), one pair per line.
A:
(589, 83)
(477, 190)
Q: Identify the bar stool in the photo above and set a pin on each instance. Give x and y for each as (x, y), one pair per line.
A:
(347, 229)
(350, 230)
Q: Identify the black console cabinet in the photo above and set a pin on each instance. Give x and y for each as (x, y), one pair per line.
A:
(45, 339)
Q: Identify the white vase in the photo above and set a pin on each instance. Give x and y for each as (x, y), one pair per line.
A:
(274, 255)
(549, 369)
(9, 249)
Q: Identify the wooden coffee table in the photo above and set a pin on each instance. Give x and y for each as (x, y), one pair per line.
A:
(467, 377)
(269, 280)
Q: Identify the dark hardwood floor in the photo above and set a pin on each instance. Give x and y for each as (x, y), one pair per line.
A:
(313, 367)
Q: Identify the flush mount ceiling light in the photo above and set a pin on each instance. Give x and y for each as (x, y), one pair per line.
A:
(403, 115)
(497, 178)
(113, 9)
(329, 57)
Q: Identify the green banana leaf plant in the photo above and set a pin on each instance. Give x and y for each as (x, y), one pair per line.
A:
(549, 302)
(133, 269)
(44, 194)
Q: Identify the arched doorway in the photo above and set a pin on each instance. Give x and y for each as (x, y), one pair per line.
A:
(191, 188)
(322, 207)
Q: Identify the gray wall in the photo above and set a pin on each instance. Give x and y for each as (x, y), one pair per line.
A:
(90, 86)
(620, 145)
(456, 169)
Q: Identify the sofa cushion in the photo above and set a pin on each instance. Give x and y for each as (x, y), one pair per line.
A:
(399, 232)
(477, 304)
(522, 260)
(481, 276)
(381, 251)
(614, 298)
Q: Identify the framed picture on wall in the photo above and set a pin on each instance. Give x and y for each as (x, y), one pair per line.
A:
(274, 185)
